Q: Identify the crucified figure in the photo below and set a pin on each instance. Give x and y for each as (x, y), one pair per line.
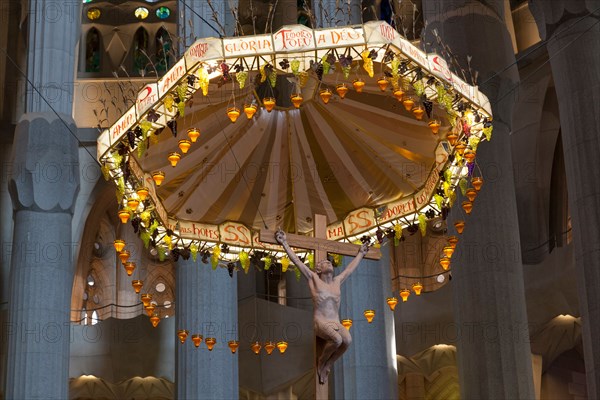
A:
(326, 292)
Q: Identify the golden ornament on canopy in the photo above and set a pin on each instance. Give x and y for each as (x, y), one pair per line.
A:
(383, 83)
(197, 339)
(124, 256)
(369, 315)
(129, 267)
(256, 346)
(418, 112)
(210, 343)
(471, 194)
(469, 155)
(452, 241)
(233, 113)
(398, 94)
(124, 216)
(119, 245)
(477, 182)
(392, 302)
(452, 137)
(193, 134)
(182, 334)
(358, 84)
(347, 323)
(269, 103)
(325, 95)
(341, 90)
(150, 309)
(459, 225)
(142, 192)
(408, 103)
(155, 319)
(404, 293)
(445, 263)
(269, 347)
(174, 158)
(448, 251)
(250, 110)
(434, 125)
(296, 99)
(467, 206)
(417, 288)
(137, 285)
(233, 345)
(184, 145)
(460, 149)
(282, 346)
(146, 298)
(158, 177)
(133, 203)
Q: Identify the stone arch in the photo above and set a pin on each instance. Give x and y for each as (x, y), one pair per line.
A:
(93, 51)
(139, 51)
(163, 50)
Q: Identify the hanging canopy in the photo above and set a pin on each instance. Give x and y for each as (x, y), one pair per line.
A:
(364, 161)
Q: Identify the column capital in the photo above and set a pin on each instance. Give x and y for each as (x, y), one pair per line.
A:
(43, 170)
(549, 15)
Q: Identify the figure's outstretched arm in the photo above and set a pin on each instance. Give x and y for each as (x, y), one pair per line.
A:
(281, 239)
(364, 248)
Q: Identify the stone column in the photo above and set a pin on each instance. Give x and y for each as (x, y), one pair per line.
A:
(43, 185)
(206, 303)
(368, 369)
(126, 296)
(573, 46)
(494, 356)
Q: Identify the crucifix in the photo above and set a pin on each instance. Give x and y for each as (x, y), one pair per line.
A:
(332, 339)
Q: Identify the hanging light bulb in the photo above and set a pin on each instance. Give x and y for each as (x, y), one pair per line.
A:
(347, 323)
(137, 285)
(124, 256)
(182, 334)
(467, 206)
(269, 347)
(418, 112)
(197, 339)
(445, 263)
(398, 94)
(174, 158)
(325, 95)
(404, 293)
(452, 137)
(341, 90)
(369, 315)
(408, 103)
(155, 319)
(142, 193)
(210, 343)
(452, 241)
(296, 99)
(383, 83)
(119, 245)
(417, 288)
(282, 346)
(193, 134)
(124, 216)
(448, 251)
(233, 345)
(392, 302)
(133, 203)
(477, 182)
(434, 125)
(460, 148)
(469, 155)
(358, 84)
(129, 268)
(158, 177)
(233, 113)
(471, 194)
(256, 346)
(184, 145)
(250, 110)
(150, 309)
(269, 103)
(146, 298)
(460, 226)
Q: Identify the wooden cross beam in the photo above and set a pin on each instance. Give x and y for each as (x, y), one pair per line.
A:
(319, 242)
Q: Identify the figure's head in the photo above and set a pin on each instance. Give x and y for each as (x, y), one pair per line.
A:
(324, 267)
